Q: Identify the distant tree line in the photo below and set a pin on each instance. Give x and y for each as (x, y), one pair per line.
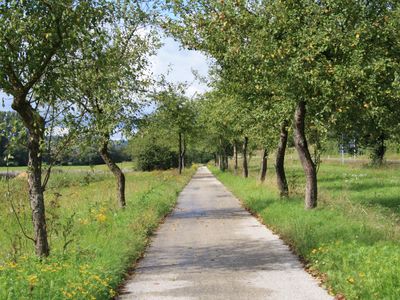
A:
(16, 154)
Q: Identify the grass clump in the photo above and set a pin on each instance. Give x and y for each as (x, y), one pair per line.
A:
(351, 241)
(93, 243)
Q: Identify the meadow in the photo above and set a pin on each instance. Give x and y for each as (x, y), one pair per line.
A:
(93, 243)
(351, 241)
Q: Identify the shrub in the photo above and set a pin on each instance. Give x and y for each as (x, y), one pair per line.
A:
(156, 157)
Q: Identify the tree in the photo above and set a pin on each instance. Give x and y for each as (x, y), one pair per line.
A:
(307, 55)
(35, 41)
(176, 112)
(109, 80)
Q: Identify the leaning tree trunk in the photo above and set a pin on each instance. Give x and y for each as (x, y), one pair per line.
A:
(119, 175)
(280, 161)
(35, 125)
(264, 161)
(245, 167)
(235, 157)
(300, 143)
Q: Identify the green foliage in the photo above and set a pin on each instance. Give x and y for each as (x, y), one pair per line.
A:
(155, 157)
(105, 241)
(175, 125)
(337, 56)
(14, 152)
(110, 79)
(12, 140)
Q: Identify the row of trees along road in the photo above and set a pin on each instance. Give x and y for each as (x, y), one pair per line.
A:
(310, 67)
(319, 65)
(75, 65)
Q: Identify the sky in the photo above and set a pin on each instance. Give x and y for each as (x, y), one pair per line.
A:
(180, 63)
(171, 59)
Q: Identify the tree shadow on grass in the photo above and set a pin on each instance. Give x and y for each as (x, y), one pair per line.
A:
(390, 202)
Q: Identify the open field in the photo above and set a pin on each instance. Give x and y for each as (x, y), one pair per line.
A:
(93, 243)
(352, 239)
(123, 165)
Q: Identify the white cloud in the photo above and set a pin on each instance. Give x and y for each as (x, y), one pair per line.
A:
(5, 102)
(177, 64)
(172, 61)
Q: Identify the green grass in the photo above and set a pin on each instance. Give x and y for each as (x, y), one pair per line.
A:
(351, 240)
(105, 241)
(125, 165)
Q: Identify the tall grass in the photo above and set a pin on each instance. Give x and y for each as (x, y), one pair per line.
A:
(93, 243)
(351, 241)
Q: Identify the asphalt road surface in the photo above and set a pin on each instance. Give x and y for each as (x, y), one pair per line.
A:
(212, 248)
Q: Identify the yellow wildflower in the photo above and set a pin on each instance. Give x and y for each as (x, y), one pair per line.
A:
(350, 280)
(32, 279)
(112, 293)
(83, 221)
(314, 251)
(96, 277)
(101, 217)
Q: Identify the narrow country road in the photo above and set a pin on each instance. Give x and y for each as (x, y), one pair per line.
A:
(212, 248)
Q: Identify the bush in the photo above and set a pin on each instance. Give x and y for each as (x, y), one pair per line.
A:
(156, 157)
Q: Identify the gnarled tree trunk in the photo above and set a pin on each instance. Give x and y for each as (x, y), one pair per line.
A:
(119, 175)
(264, 161)
(300, 142)
(35, 125)
(280, 161)
(245, 167)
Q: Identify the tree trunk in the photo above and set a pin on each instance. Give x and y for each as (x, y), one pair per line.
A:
(119, 175)
(280, 161)
(180, 154)
(183, 153)
(235, 155)
(35, 125)
(245, 168)
(215, 159)
(378, 152)
(221, 155)
(264, 161)
(300, 143)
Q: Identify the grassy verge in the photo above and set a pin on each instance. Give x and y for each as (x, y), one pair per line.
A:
(93, 243)
(351, 240)
(124, 165)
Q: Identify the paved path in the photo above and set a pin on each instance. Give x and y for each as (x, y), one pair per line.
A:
(211, 248)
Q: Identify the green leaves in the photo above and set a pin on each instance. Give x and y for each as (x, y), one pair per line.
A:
(335, 55)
